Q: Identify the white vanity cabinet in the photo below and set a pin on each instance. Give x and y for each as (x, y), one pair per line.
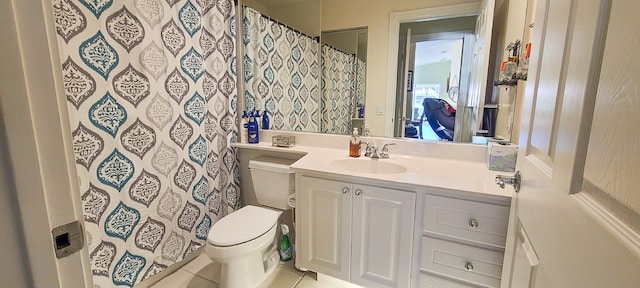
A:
(462, 243)
(355, 232)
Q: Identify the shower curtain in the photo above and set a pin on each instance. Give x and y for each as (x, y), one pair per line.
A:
(151, 93)
(281, 73)
(338, 90)
(361, 81)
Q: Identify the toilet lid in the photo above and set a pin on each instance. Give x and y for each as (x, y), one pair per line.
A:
(243, 225)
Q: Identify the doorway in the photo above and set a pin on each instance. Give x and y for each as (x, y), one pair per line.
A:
(434, 62)
(436, 73)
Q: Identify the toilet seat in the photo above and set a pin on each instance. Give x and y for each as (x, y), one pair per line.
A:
(241, 226)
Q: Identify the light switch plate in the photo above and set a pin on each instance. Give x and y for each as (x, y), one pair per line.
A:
(379, 110)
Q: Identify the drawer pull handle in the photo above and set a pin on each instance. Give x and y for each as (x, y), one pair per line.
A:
(358, 192)
(473, 223)
(345, 190)
(468, 266)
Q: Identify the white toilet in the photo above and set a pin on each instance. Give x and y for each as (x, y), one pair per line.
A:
(244, 242)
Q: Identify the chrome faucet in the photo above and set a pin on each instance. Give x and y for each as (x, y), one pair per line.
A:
(372, 152)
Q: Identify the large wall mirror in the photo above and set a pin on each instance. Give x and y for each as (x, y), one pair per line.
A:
(323, 65)
(343, 80)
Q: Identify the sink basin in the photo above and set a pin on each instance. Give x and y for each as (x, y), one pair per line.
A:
(370, 166)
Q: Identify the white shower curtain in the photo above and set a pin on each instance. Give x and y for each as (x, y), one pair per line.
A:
(338, 90)
(151, 90)
(281, 73)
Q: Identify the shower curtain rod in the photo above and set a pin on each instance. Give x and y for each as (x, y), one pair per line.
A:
(317, 38)
(334, 48)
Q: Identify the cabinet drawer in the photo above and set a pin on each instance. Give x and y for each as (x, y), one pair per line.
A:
(459, 261)
(432, 281)
(463, 219)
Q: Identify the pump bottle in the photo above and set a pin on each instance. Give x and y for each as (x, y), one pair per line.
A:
(354, 144)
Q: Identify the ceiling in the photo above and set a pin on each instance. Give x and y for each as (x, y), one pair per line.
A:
(434, 51)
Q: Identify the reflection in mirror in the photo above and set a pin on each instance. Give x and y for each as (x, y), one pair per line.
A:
(298, 108)
(344, 55)
(432, 57)
(281, 73)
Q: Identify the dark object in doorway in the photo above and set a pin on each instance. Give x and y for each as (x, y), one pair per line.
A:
(440, 118)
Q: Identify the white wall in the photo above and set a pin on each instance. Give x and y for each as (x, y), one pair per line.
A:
(456, 63)
(303, 16)
(14, 271)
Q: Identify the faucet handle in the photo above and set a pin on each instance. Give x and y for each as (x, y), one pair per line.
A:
(384, 153)
(370, 150)
(385, 147)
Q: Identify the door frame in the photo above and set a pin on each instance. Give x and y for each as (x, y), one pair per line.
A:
(39, 140)
(397, 18)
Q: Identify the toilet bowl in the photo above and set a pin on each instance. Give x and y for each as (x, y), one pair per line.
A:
(243, 243)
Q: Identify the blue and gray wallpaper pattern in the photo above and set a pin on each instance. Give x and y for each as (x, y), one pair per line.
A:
(151, 93)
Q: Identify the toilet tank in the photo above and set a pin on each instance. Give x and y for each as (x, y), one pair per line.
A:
(273, 181)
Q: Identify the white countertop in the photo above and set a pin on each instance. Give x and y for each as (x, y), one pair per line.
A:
(425, 172)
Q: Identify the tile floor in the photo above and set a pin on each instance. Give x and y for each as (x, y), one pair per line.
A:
(203, 273)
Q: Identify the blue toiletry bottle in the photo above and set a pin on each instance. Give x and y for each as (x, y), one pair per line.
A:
(265, 120)
(252, 126)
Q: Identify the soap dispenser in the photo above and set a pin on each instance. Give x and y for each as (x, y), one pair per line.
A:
(354, 144)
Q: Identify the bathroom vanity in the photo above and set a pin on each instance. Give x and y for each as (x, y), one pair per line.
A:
(408, 221)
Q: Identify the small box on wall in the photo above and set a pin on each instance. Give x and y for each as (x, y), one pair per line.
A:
(502, 156)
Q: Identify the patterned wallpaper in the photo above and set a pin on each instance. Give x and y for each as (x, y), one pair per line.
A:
(338, 90)
(151, 94)
(281, 73)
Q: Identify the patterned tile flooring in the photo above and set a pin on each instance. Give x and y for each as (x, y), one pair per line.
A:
(203, 273)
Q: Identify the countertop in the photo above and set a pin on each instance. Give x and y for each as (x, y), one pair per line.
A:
(422, 172)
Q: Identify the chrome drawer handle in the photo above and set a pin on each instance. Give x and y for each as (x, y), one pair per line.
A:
(358, 192)
(345, 190)
(468, 266)
(473, 223)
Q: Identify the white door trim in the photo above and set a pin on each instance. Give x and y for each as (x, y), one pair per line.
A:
(39, 140)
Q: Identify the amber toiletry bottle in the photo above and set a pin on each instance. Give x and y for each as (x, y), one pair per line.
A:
(354, 144)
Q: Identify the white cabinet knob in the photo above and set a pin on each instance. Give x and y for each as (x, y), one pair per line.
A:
(345, 190)
(473, 223)
(358, 192)
(468, 266)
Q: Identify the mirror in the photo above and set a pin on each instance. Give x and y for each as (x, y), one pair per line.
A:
(379, 104)
(434, 55)
(343, 80)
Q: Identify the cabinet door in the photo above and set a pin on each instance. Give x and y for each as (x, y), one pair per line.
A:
(525, 262)
(324, 226)
(382, 236)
